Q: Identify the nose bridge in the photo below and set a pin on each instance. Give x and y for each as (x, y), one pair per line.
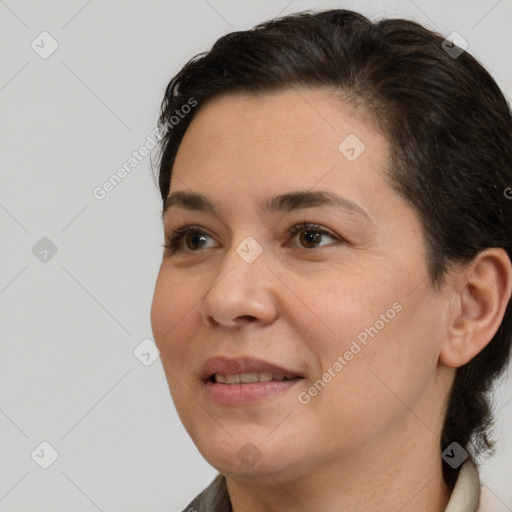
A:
(243, 288)
(249, 250)
(245, 262)
(245, 258)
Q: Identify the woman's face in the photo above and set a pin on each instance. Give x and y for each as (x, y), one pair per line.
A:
(342, 308)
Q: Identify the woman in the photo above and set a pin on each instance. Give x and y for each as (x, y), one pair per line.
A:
(333, 303)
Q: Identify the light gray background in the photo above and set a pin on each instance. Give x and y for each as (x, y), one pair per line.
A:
(69, 326)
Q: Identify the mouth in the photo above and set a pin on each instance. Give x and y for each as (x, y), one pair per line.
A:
(251, 378)
(243, 381)
(244, 370)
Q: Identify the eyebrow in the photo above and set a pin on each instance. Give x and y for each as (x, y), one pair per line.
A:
(288, 202)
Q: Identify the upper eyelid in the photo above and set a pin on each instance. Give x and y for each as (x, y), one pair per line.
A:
(295, 227)
(312, 225)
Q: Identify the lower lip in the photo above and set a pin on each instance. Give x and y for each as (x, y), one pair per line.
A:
(245, 394)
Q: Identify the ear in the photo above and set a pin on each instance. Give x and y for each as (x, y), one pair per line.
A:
(480, 292)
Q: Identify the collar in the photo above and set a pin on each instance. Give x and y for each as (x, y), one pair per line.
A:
(466, 493)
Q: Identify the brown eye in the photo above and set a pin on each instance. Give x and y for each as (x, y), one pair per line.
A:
(194, 240)
(310, 238)
(310, 235)
(187, 239)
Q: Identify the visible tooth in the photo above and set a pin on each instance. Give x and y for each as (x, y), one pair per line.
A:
(249, 378)
(264, 377)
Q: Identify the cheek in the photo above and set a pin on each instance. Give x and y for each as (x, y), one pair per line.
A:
(375, 340)
(393, 362)
(174, 320)
(375, 384)
(171, 312)
(339, 310)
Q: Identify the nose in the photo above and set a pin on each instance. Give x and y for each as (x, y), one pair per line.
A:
(243, 292)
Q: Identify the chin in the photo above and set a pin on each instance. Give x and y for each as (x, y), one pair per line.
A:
(249, 461)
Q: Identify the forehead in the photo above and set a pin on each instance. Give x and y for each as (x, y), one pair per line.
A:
(310, 114)
(305, 127)
(253, 146)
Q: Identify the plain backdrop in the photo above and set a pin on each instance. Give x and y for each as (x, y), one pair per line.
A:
(80, 88)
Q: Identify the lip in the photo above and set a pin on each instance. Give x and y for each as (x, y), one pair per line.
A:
(234, 366)
(236, 395)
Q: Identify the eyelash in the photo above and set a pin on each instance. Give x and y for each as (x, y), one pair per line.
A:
(173, 242)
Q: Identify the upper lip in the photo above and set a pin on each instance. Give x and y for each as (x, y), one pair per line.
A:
(239, 365)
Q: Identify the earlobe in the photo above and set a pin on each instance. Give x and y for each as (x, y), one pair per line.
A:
(482, 290)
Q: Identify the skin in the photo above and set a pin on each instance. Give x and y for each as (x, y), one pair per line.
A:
(369, 440)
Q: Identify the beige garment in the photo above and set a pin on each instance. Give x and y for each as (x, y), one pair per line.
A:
(466, 493)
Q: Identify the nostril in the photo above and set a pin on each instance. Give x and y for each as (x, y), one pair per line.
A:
(232, 322)
(212, 320)
(249, 318)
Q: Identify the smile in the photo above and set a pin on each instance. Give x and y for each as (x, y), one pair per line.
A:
(250, 378)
